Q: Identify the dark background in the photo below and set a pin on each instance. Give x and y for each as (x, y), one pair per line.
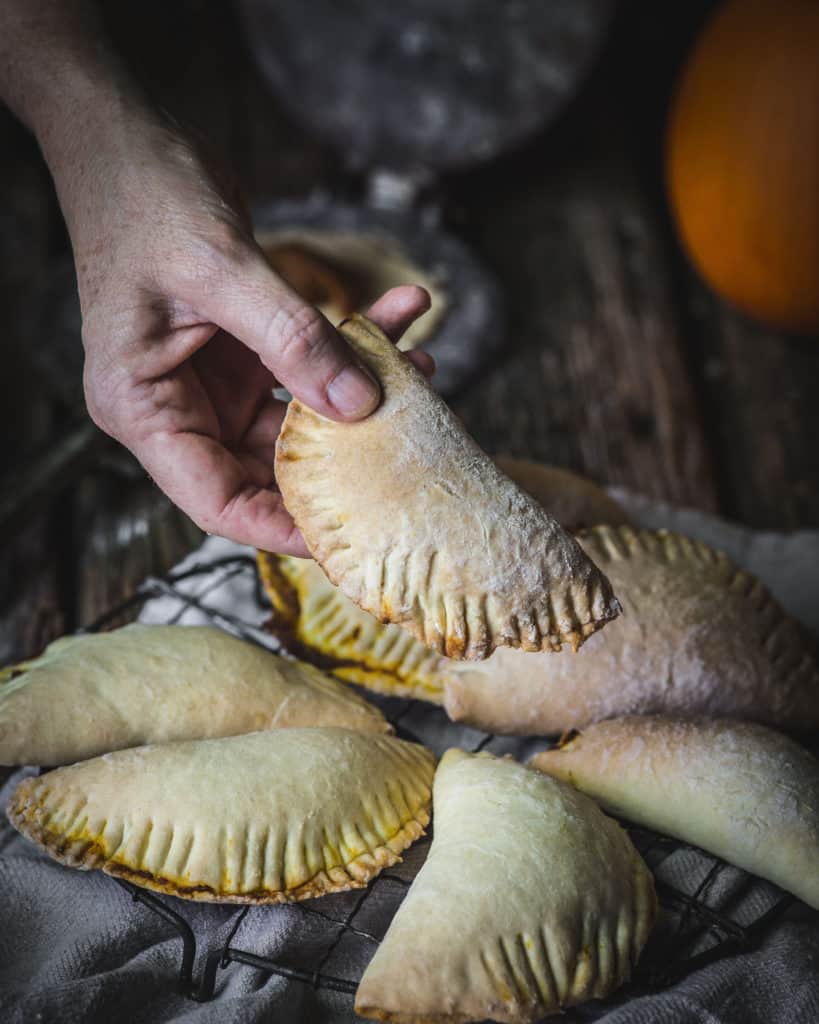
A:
(618, 363)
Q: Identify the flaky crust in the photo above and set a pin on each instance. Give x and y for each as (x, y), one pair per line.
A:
(745, 793)
(530, 900)
(90, 694)
(414, 523)
(270, 817)
(698, 636)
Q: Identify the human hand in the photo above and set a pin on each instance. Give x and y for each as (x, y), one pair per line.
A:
(187, 330)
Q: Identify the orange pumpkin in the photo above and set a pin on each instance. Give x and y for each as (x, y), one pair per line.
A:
(743, 159)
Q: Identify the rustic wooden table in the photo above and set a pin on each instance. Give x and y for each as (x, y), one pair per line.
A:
(618, 363)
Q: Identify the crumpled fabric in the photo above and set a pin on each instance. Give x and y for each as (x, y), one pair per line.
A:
(75, 947)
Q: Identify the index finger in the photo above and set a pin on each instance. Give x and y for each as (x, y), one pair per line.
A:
(293, 340)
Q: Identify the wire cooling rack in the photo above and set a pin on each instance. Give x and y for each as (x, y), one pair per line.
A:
(710, 909)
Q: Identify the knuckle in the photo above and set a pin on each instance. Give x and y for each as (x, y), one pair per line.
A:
(300, 335)
(221, 517)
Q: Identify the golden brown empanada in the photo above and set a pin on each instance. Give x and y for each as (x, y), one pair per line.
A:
(316, 279)
(315, 621)
(697, 636)
(741, 791)
(269, 817)
(530, 900)
(89, 694)
(416, 525)
(574, 501)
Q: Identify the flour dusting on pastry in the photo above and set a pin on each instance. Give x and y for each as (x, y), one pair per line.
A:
(417, 526)
(698, 636)
(530, 900)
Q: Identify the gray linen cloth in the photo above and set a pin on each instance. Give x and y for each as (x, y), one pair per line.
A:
(74, 946)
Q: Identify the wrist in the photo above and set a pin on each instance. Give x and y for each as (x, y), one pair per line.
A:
(88, 137)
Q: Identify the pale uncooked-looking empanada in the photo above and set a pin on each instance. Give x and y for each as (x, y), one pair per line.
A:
(269, 817)
(530, 899)
(574, 501)
(697, 636)
(89, 694)
(315, 621)
(416, 524)
(739, 790)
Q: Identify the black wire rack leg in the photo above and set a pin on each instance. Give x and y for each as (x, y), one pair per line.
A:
(155, 904)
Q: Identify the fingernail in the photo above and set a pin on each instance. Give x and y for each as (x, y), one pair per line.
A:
(353, 392)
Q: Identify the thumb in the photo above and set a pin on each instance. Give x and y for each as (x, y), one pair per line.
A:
(295, 342)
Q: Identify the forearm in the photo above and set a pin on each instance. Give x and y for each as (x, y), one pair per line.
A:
(185, 325)
(60, 76)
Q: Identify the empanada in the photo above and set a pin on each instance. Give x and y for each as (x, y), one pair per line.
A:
(315, 278)
(530, 899)
(315, 621)
(269, 817)
(574, 501)
(697, 636)
(416, 525)
(89, 694)
(737, 789)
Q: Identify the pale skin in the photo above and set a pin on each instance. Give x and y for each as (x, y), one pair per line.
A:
(186, 329)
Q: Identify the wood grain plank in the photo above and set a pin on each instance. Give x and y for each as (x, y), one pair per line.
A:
(28, 218)
(755, 387)
(760, 393)
(593, 377)
(126, 530)
(31, 605)
(31, 601)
